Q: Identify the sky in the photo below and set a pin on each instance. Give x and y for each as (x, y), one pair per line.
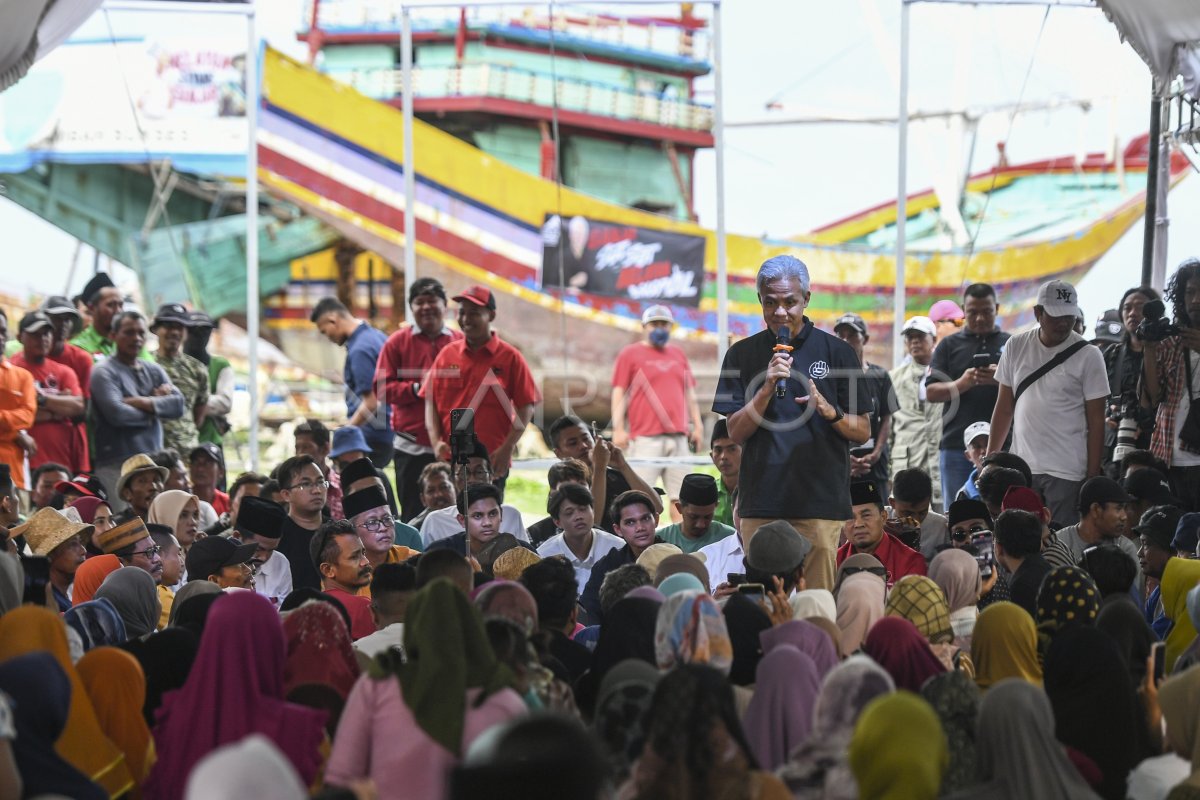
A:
(841, 58)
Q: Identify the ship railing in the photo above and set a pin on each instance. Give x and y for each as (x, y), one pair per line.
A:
(539, 88)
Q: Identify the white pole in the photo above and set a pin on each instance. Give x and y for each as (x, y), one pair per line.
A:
(899, 308)
(252, 291)
(719, 146)
(410, 168)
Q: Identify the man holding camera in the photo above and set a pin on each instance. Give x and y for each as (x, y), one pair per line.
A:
(1172, 380)
(1053, 391)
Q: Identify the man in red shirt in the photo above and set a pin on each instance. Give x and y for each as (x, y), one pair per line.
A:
(865, 534)
(484, 373)
(653, 382)
(339, 555)
(60, 403)
(18, 407)
(67, 322)
(403, 361)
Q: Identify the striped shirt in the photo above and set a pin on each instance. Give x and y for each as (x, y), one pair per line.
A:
(1172, 378)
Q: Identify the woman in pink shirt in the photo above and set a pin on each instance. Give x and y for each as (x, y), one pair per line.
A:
(406, 724)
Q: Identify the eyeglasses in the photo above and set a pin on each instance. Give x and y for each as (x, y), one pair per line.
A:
(251, 567)
(962, 536)
(149, 552)
(378, 524)
(308, 486)
(481, 474)
(880, 571)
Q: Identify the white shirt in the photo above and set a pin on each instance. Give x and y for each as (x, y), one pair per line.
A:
(1049, 423)
(1154, 778)
(383, 639)
(722, 558)
(602, 543)
(443, 523)
(1181, 457)
(274, 579)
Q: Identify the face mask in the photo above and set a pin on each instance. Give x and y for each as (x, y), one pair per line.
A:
(659, 336)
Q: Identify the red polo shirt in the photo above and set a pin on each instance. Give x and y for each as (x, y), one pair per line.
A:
(493, 379)
(361, 622)
(403, 361)
(896, 557)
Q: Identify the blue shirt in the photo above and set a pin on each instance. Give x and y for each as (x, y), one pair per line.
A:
(362, 353)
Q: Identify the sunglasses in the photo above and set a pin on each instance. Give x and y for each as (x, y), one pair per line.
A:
(962, 536)
(880, 571)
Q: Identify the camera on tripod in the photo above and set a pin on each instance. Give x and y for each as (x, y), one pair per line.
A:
(1155, 326)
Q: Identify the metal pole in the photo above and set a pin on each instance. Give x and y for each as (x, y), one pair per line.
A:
(719, 146)
(1151, 188)
(899, 307)
(252, 291)
(410, 167)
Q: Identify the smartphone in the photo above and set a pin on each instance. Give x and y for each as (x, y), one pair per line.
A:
(735, 578)
(985, 553)
(754, 591)
(981, 360)
(37, 575)
(1158, 651)
(462, 434)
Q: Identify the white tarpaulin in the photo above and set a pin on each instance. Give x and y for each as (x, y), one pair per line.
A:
(29, 29)
(1165, 33)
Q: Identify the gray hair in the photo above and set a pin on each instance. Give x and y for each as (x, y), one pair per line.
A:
(781, 268)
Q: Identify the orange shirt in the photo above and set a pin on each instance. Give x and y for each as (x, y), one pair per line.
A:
(18, 407)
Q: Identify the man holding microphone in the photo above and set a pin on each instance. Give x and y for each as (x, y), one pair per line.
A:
(795, 412)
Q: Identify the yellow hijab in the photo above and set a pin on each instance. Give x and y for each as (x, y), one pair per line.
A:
(1179, 698)
(1004, 645)
(898, 750)
(1178, 579)
(33, 629)
(117, 687)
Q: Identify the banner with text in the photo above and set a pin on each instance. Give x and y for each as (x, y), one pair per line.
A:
(613, 260)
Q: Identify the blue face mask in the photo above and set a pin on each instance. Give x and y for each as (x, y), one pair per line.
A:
(659, 337)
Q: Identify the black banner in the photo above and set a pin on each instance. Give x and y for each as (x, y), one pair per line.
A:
(613, 260)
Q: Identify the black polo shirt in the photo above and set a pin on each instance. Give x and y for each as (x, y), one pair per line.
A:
(801, 470)
(953, 356)
(614, 485)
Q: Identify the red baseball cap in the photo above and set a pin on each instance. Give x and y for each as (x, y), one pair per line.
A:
(479, 295)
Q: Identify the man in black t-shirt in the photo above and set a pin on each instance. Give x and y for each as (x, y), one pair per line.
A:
(963, 378)
(869, 461)
(795, 448)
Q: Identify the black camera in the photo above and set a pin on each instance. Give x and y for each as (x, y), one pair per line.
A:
(1155, 326)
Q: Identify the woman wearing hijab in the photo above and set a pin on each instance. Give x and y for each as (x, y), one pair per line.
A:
(627, 633)
(166, 659)
(1179, 577)
(805, 637)
(897, 646)
(33, 629)
(955, 698)
(134, 595)
(859, 606)
(745, 620)
(97, 623)
(818, 769)
(117, 687)
(1191, 654)
(691, 630)
(235, 688)
(41, 698)
(898, 751)
(695, 746)
(253, 767)
(831, 631)
(620, 714)
(1017, 755)
(1095, 709)
(1179, 698)
(1126, 626)
(1067, 597)
(957, 573)
(813, 603)
(919, 600)
(190, 590)
(1005, 646)
(681, 582)
(780, 714)
(855, 564)
(97, 513)
(319, 650)
(179, 511)
(90, 575)
(405, 724)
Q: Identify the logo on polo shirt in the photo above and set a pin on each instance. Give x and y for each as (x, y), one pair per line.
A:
(818, 370)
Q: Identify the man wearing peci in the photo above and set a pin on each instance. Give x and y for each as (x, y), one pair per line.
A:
(795, 448)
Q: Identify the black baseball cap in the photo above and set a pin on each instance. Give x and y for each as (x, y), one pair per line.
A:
(1149, 486)
(198, 319)
(35, 321)
(208, 555)
(1101, 490)
(171, 313)
(854, 321)
(207, 449)
(1158, 525)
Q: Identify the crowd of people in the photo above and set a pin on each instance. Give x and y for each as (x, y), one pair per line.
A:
(976, 575)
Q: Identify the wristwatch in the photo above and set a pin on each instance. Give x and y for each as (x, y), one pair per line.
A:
(840, 415)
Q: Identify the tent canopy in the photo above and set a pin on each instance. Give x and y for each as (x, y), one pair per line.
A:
(29, 29)
(1165, 33)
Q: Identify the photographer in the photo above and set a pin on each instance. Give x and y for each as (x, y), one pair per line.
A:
(1127, 424)
(1172, 381)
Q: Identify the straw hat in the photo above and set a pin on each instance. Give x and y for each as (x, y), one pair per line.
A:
(47, 529)
(136, 464)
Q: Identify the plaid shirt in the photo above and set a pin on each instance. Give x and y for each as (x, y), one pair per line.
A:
(1172, 378)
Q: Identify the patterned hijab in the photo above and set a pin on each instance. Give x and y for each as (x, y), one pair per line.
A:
(318, 650)
(621, 706)
(691, 630)
(955, 699)
(1068, 596)
(97, 623)
(919, 600)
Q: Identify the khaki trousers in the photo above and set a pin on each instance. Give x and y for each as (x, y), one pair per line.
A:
(822, 534)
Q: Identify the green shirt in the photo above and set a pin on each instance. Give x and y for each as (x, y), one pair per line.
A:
(190, 377)
(214, 425)
(724, 512)
(101, 347)
(673, 534)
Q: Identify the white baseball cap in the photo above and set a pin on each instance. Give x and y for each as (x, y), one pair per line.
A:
(975, 430)
(923, 324)
(1059, 299)
(657, 314)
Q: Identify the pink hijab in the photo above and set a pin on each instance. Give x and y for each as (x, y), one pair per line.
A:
(779, 717)
(235, 689)
(805, 637)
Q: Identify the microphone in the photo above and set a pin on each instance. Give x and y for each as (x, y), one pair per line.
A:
(783, 345)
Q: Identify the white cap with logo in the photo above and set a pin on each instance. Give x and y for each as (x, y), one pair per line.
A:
(921, 324)
(1059, 299)
(657, 314)
(975, 430)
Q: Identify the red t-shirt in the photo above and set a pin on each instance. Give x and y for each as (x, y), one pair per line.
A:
(80, 363)
(493, 379)
(656, 384)
(58, 440)
(220, 502)
(362, 623)
(403, 361)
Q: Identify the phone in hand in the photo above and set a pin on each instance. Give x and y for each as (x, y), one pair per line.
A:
(1158, 651)
(735, 578)
(981, 360)
(985, 553)
(754, 591)
(37, 575)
